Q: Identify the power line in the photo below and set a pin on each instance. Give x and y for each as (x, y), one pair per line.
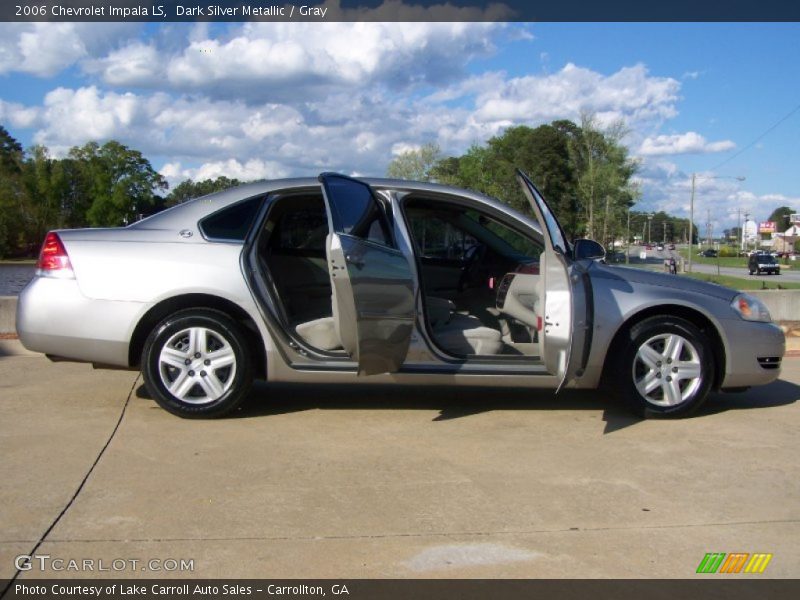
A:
(758, 139)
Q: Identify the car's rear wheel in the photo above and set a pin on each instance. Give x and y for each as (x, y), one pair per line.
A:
(666, 369)
(195, 364)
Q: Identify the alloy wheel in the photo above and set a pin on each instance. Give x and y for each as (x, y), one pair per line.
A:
(667, 370)
(197, 365)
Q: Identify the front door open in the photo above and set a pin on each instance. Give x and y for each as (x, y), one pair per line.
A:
(565, 305)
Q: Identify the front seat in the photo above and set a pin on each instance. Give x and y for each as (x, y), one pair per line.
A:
(465, 334)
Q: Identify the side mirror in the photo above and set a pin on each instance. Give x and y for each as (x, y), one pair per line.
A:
(584, 249)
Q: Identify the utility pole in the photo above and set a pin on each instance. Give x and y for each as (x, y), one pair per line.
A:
(649, 220)
(691, 224)
(746, 215)
(628, 239)
(665, 232)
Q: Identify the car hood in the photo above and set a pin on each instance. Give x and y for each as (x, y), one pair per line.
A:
(642, 276)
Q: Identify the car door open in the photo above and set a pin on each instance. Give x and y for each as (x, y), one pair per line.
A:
(371, 280)
(565, 331)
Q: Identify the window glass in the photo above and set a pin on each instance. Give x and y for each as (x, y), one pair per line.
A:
(356, 211)
(520, 244)
(437, 238)
(304, 228)
(231, 223)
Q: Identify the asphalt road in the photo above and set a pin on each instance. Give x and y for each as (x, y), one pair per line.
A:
(656, 258)
(311, 481)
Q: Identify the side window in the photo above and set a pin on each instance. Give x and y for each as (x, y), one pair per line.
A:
(231, 223)
(355, 211)
(303, 229)
(520, 244)
(437, 238)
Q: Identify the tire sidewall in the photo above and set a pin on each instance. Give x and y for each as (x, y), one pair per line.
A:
(223, 326)
(638, 335)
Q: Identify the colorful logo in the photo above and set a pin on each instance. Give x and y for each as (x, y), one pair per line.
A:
(735, 562)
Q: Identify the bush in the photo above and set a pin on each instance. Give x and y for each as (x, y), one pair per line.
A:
(727, 251)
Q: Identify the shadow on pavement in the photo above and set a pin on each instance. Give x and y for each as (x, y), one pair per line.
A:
(456, 403)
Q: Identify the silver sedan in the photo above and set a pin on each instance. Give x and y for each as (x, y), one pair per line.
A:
(335, 280)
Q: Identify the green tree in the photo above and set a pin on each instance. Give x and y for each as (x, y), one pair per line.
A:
(603, 171)
(781, 217)
(187, 190)
(416, 164)
(119, 181)
(12, 193)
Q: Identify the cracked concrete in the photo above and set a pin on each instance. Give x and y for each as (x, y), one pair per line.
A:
(393, 482)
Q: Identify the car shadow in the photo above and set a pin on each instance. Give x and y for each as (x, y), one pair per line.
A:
(457, 403)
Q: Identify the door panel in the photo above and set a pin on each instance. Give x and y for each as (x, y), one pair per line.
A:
(372, 282)
(564, 294)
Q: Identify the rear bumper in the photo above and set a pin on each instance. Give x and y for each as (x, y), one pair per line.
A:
(55, 318)
(755, 352)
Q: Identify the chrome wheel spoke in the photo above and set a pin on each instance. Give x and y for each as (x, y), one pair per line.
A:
(688, 370)
(212, 386)
(182, 385)
(650, 356)
(223, 357)
(673, 347)
(174, 357)
(672, 392)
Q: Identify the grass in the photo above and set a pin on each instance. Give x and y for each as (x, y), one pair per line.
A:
(765, 282)
(724, 261)
(17, 261)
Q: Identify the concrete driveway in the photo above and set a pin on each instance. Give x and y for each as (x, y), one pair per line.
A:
(402, 482)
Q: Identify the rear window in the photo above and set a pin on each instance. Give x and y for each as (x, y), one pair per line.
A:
(231, 223)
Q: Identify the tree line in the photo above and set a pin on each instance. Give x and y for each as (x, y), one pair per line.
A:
(585, 172)
(92, 186)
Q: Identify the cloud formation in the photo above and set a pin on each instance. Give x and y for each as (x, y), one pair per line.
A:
(683, 143)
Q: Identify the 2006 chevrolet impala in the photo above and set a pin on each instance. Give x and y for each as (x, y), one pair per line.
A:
(342, 280)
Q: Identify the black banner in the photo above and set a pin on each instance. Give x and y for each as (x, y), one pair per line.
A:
(392, 589)
(399, 10)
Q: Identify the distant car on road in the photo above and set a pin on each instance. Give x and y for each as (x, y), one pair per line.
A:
(671, 246)
(709, 253)
(660, 247)
(763, 263)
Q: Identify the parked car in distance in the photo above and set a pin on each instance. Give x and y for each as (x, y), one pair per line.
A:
(763, 263)
(340, 280)
(660, 247)
(708, 253)
(671, 246)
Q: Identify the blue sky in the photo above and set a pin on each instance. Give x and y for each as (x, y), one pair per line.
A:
(273, 100)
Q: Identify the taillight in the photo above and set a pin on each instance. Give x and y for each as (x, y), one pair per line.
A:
(53, 258)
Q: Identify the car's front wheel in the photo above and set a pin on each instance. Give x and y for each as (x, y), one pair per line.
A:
(195, 364)
(666, 369)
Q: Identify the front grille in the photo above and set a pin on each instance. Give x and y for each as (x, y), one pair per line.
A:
(769, 362)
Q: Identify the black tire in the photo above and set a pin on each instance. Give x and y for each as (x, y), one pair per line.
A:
(203, 390)
(695, 355)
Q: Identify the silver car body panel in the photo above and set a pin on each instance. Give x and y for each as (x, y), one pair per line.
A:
(121, 274)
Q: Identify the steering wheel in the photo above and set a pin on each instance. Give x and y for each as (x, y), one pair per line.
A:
(473, 260)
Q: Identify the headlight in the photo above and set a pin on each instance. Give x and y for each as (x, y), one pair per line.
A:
(750, 308)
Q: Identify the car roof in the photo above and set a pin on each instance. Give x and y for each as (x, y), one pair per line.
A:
(188, 213)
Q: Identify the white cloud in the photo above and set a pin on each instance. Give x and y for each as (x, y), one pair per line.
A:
(44, 49)
(250, 170)
(683, 143)
(19, 115)
(631, 94)
(134, 64)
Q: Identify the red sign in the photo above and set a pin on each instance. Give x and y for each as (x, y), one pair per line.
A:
(766, 227)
